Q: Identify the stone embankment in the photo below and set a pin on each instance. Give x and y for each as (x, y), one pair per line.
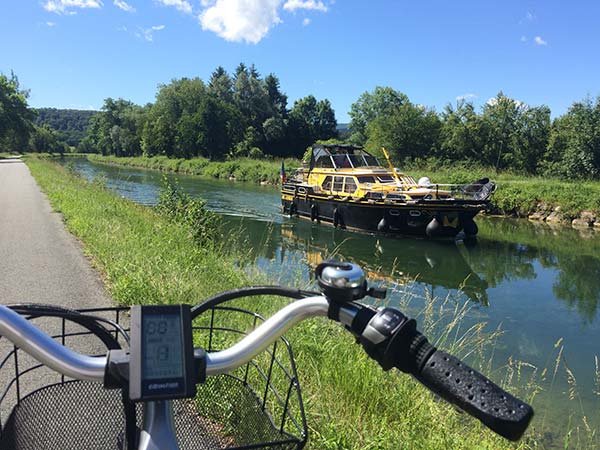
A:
(586, 219)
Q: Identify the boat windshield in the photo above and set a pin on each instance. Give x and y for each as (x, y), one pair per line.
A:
(363, 160)
(342, 157)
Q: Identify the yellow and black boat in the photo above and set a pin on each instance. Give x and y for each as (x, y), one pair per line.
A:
(345, 186)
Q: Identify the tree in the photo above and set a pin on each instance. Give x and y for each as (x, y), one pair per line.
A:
(575, 141)
(116, 129)
(310, 120)
(220, 85)
(45, 140)
(460, 135)
(251, 97)
(515, 134)
(15, 116)
(411, 131)
(382, 102)
(277, 99)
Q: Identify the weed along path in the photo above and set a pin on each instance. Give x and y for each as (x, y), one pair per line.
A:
(40, 262)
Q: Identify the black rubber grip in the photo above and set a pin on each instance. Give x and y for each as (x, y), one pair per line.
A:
(457, 383)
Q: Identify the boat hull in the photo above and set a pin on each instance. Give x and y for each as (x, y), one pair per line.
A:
(436, 219)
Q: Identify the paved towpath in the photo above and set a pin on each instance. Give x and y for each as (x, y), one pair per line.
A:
(40, 262)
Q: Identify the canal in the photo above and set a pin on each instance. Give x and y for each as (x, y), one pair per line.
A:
(539, 285)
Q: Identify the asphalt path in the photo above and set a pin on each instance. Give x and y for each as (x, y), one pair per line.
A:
(40, 262)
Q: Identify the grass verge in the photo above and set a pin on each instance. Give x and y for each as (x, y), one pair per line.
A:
(350, 402)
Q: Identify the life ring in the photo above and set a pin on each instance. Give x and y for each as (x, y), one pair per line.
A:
(314, 212)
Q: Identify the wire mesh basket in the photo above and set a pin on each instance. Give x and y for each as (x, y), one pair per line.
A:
(257, 406)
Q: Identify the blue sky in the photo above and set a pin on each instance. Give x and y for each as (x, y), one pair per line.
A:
(75, 53)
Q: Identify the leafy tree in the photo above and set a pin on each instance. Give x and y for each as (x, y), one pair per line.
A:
(220, 85)
(116, 129)
(309, 121)
(411, 131)
(574, 145)
(277, 99)
(172, 126)
(460, 136)
(515, 134)
(15, 116)
(251, 97)
(382, 102)
(45, 140)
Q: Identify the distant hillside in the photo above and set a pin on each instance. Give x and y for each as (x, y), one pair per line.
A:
(70, 123)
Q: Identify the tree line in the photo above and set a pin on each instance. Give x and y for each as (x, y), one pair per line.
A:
(230, 116)
(244, 114)
(22, 128)
(504, 134)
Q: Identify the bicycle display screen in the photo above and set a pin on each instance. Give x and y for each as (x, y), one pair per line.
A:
(162, 353)
(162, 346)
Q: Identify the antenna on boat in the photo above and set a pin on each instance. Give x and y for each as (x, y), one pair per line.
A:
(392, 168)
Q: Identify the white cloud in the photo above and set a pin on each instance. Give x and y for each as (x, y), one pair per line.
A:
(148, 33)
(241, 20)
(523, 38)
(530, 16)
(539, 41)
(64, 6)
(306, 21)
(466, 97)
(51, 24)
(121, 4)
(180, 5)
(293, 5)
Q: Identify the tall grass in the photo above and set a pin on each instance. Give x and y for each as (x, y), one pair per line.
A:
(146, 257)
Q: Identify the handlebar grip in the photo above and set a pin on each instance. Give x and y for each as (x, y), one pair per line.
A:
(457, 383)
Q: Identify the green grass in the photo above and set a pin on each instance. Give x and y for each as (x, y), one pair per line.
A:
(241, 169)
(350, 402)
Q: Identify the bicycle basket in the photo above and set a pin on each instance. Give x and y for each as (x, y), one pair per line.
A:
(257, 406)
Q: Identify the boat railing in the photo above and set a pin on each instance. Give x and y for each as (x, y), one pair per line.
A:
(471, 191)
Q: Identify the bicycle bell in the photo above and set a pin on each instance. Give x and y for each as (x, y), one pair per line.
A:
(341, 281)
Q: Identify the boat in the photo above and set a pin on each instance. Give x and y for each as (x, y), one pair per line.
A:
(345, 186)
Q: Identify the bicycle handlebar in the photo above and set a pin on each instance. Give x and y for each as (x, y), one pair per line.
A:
(46, 350)
(386, 334)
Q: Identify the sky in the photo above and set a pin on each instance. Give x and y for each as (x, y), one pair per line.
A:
(76, 53)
